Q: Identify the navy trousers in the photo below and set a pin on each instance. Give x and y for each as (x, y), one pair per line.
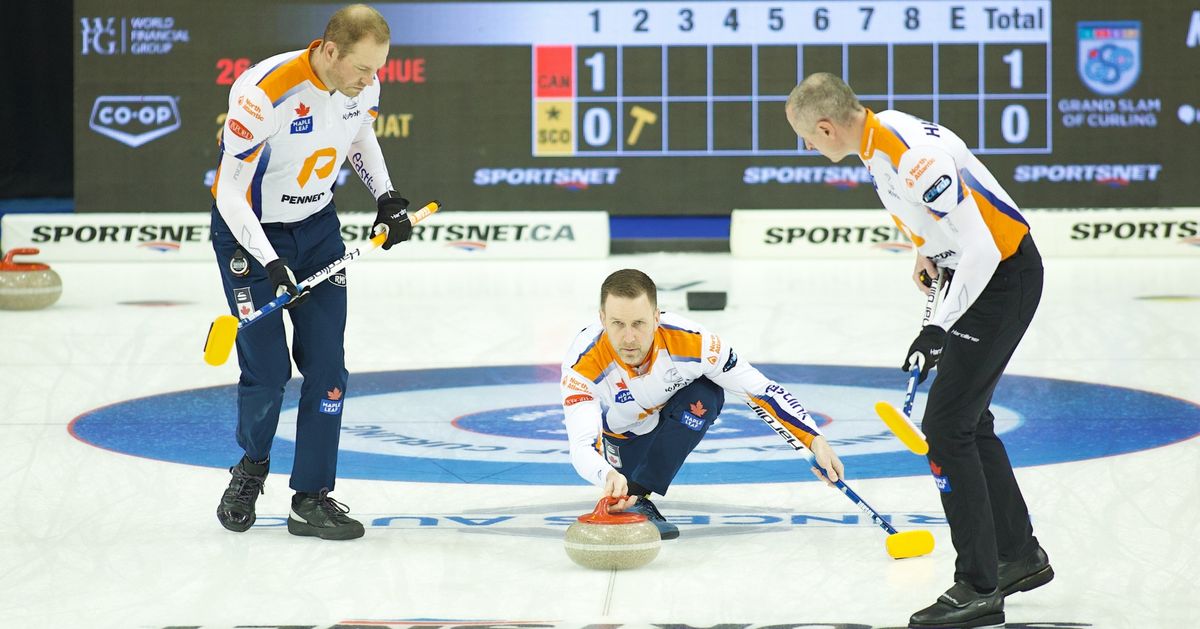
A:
(652, 460)
(319, 326)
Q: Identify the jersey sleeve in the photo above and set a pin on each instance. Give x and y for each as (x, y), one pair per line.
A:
(582, 415)
(249, 122)
(937, 185)
(767, 398)
(365, 155)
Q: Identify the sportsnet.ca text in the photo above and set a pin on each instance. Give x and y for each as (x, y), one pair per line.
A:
(516, 232)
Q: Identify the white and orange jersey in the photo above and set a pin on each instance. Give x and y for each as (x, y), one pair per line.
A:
(284, 141)
(945, 201)
(600, 393)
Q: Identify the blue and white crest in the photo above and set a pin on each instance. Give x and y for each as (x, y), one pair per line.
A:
(1110, 55)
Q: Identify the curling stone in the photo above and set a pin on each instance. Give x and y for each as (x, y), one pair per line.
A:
(27, 286)
(612, 541)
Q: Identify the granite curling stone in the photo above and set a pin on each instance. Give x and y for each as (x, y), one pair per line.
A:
(27, 286)
(612, 541)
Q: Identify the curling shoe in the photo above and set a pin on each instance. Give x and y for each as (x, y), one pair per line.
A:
(318, 515)
(961, 607)
(1025, 574)
(666, 530)
(236, 511)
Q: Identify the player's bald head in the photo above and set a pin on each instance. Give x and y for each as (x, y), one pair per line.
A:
(822, 96)
(354, 23)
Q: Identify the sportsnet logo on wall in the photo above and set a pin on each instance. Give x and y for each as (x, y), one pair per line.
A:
(1110, 55)
(134, 120)
(836, 177)
(562, 178)
(814, 233)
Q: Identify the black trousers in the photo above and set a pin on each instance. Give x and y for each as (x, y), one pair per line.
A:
(984, 506)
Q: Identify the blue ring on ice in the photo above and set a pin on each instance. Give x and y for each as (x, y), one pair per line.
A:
(1047, 421)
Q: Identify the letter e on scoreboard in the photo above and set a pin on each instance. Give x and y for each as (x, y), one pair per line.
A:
(555, 71)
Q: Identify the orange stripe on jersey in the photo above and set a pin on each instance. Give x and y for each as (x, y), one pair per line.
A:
(1006, 232)
(1005, 222)
(916, 240)
(879, 137)
(595, 359)
(678, 342)
(287, 75)
(216, 178)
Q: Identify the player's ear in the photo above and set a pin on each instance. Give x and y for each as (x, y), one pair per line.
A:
(825, 127)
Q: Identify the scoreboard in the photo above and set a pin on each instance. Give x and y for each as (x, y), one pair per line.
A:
(662, 107)
(720, 74)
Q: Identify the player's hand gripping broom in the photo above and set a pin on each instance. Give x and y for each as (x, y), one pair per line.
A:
(900, 544)
(223, 331)
(901, 422)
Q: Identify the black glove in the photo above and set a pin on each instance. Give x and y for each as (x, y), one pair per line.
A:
(285, 282)
(927, 348)
(393, 214)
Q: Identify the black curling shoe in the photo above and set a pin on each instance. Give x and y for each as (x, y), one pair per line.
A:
(961, 607)
(1025, 574)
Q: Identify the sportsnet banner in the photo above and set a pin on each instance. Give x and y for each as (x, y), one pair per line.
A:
(128, 237)
(1122, 232)
(1127, 232)
(815, 234)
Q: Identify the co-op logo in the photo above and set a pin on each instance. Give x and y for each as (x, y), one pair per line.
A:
(134, 120)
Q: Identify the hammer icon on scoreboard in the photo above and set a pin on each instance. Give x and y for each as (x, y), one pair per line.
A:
(643, 117)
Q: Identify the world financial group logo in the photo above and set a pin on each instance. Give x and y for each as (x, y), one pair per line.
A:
(130, 35)
(1110, 55)
(134, 120)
